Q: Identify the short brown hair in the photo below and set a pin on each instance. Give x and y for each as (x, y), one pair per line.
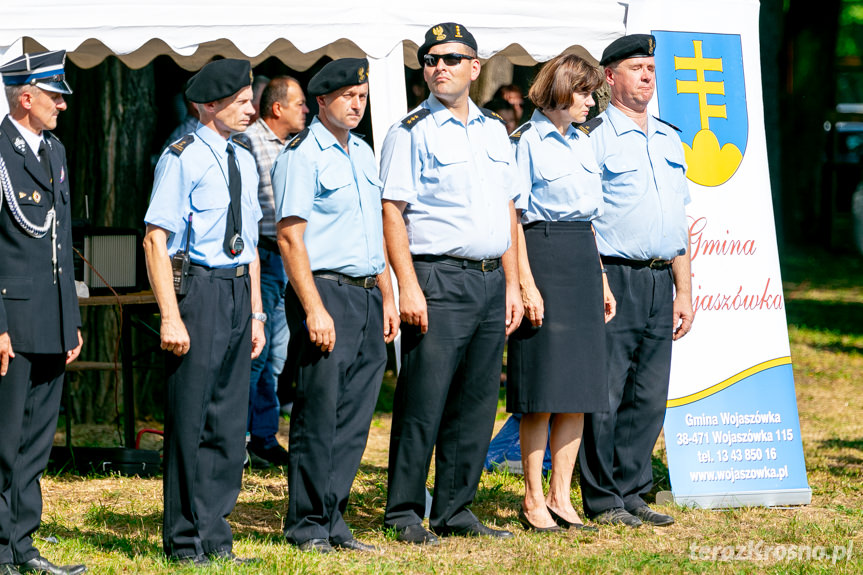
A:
(561, 77)
(275, 91)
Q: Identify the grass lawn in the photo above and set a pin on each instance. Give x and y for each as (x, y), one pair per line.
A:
(113, 523)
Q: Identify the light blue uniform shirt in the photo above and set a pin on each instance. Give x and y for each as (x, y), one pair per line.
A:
(644, 188)
(457, 181)
(339, 195)
(196, 182)
(558, 175)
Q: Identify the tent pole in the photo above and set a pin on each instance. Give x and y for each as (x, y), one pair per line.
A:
(388, 95)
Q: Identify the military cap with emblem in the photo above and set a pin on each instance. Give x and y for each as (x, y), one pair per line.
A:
(219, 79)
(443, 33)
(632, 46)
(41, 69)
(338, 74)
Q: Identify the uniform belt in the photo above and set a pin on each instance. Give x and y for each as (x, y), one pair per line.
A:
(235, 272)
(367, 282)
(488, 265)
(268, 244)
(654, 264)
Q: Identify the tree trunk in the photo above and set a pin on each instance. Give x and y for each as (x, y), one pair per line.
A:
(810, 88)
(108, 132)
(770, 31)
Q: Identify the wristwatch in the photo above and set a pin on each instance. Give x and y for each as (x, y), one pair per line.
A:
(260, 316)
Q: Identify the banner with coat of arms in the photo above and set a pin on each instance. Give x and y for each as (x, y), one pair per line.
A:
(731, 428)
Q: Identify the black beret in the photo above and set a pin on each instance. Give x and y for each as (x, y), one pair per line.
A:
(219, 79)
(446, 32)
(338, 74)
(632, 46)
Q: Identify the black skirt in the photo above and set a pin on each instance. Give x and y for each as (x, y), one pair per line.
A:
(561, 366)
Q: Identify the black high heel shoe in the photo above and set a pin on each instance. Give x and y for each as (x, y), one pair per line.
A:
(528, 526)
(569, 524)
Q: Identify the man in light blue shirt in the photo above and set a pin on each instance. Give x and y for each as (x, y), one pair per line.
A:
(645, 192)
(339, 303)
(202, 169)
(643, 239)
(205, 203)
(449, 222)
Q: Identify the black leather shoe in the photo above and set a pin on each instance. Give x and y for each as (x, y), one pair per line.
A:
(476, 530)
(617, 516)
(356, 545)
(566, 524)
(275, 455)
(8, 569)
(417, 535)
(41, 565)
(648, 515)
(319, 545)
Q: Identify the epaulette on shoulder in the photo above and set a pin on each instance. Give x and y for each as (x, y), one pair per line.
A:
(297, 140)
(242, 140)
(667, 123)
(493, 114)
(589, 125)
(181, 144)
(411, 120)
(516, 136)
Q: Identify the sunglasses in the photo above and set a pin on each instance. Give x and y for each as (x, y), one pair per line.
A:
(431, 60)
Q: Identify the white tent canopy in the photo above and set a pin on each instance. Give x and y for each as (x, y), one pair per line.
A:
(299, 33)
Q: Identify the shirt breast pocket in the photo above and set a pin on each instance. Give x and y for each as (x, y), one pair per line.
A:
(446, 174)
(335, 188)
(209, 205)
(676, 169)
(374, 183)
(501, 172)
(206, 198)
(551, 170)
(622, 177)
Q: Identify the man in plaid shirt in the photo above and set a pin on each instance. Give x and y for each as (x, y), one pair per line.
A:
(283, 114)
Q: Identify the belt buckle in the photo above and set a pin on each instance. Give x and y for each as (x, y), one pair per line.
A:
(369, 282)
(240, 270)
(657, 264)
(487, 265)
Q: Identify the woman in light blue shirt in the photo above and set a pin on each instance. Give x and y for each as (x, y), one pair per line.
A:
(556, 359)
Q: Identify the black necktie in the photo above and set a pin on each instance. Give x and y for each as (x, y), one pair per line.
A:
(235, 218)
(46, 165)
(43, 159)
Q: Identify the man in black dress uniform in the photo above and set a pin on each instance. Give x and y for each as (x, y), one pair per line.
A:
(39, 317)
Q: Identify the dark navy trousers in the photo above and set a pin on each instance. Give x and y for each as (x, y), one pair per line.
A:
(335, 401)
(30, 395)
(446, 396)
(205, 417)
(617, 446)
